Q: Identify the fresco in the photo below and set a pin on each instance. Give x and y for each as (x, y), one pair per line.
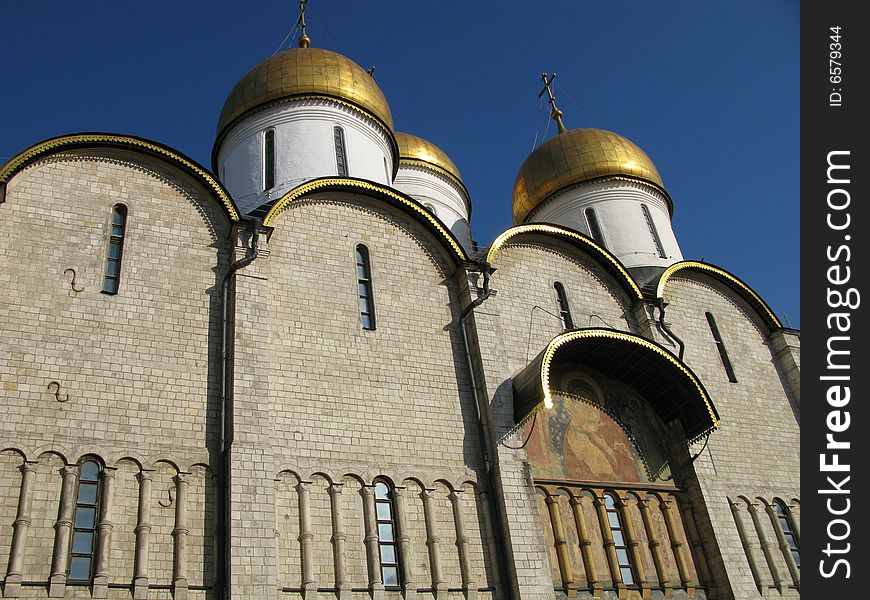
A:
(598, 430)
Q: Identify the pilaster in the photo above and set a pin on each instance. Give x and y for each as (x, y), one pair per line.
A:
(252, 553)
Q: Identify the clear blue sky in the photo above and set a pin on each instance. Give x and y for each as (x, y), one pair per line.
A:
(710, 90)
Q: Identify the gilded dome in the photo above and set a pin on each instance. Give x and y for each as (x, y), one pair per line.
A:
(415, 149)
(300, 72)
(575, 156)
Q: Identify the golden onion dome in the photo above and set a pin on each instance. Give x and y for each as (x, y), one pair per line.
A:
(414, 149)
(576, 156)
(301, 72)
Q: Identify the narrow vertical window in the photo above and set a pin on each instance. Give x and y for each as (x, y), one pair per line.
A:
(268, 159)
(788, 531)
(622, 560)
(81, 564)
(340, 152)
(720, 346)
(389, 552)
(112, 280)
(564, 309)
(653, 232)
(594, 228)
(364, 281)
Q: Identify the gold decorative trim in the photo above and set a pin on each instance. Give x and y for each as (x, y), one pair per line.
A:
(561, 339)
(22, 159)
(689, 264)
(503, 238)
(331, 182)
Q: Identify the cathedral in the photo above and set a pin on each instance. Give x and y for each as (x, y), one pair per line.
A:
(196, 405)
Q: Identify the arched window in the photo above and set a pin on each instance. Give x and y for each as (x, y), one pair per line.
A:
(564, 309)
(784, 519)
(430, 208)
(112, 279)
(385, 514)
(720, 346)
(364, 281)
(626, 572)
(594, 227)
(340, 152)
(81, 563)
(653, 232)
(268, 159)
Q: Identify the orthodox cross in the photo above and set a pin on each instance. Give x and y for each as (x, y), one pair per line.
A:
(304, 40)
(555, 113)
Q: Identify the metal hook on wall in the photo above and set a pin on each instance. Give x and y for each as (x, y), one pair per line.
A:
(72, 283)
(168, 503)
(57, 392)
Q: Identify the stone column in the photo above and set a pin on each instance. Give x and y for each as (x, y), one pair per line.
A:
(747, 547)
(306, 535)
(432, 541)
(786, 345)
(793, 569)
(143, 535)
(491, 546)
(585, 546)
(469, 586)
(404, 542)
(677, 546)
(179, 566)
(795, 521)
(104, 529)
(622, 504)
(695, 540)
(338, 539)
(561, 544)
(654, 545)
(766, 546)
(20, 527)
(63, 532)
(376, 582)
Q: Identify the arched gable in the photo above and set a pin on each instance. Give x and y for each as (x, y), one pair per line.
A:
(733, 283)
(670, 386)
(585, 244)
(123, 142)
(374, 191)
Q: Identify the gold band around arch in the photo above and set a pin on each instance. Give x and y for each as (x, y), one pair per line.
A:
(611, 260)
(83, 140)
(744, 290)
(346, 184)
(667, 382)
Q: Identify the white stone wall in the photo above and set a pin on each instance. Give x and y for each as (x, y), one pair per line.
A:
(755, 456)
(322, 408)
(527, 269)
(136, 370)
(509, 332)
(304, 149)
(349, 405)
(408, 375)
